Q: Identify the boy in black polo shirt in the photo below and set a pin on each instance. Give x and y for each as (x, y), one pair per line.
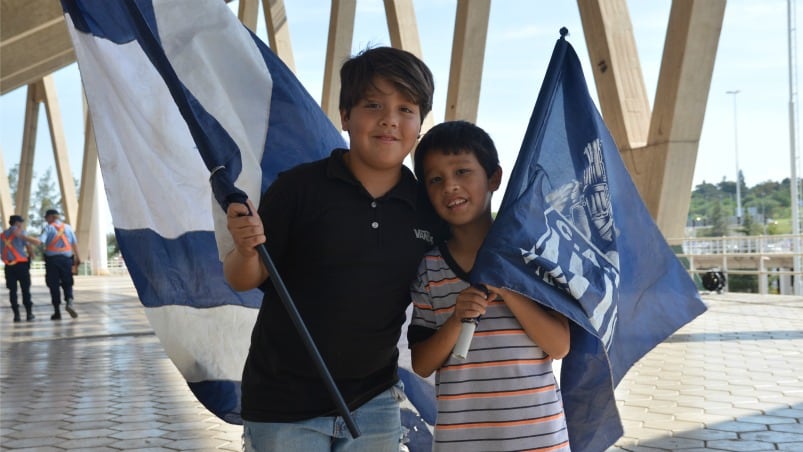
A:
(346, 234)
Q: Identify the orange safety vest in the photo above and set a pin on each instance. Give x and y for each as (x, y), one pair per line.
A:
(59, 244)
(9, 247)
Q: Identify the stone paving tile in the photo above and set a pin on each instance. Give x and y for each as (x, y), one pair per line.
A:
(773, 436)
(730, 380)
(196, 444)
(36, 442)
(139, 444)
(796, 427)
(741, 445)
(706, 434)
(39, 449)
(742, 404)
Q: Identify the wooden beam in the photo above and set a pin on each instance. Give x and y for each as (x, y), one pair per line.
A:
(402, 26)
(680, 102)
(60, 154)
(248, 12)
(617, 71)
(468, 54)
(25, 60)
(403, 30)
(87, 198)
(25, 174)
(338, 50)
(658, 148)
(279, 31)
(6, 207)
(20, 18)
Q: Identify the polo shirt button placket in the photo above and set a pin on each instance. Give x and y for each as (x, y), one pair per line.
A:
(375, 224)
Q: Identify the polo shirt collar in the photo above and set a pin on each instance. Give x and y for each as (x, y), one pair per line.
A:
(405, 190)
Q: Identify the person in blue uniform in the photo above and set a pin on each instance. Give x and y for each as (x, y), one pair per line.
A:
(16, 252)
(61, 258)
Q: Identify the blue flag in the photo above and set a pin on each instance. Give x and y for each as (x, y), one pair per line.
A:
(573, 233)
(247, 109)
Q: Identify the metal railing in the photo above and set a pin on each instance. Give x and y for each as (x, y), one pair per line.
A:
(115, 266)
(773, 259)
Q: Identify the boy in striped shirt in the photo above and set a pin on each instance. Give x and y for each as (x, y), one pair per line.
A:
(503, 396)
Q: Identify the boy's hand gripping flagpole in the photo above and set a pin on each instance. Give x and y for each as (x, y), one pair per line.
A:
(216, 156)
(219, 180)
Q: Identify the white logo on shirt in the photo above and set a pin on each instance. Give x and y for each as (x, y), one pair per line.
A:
(424, 235)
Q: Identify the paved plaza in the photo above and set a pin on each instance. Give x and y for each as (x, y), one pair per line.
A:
(732, 380)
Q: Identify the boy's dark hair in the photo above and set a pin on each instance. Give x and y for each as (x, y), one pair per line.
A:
(409, 74)
(457, 137)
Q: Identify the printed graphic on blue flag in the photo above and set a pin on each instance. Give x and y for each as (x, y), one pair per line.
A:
(573, 233)
(250, 106)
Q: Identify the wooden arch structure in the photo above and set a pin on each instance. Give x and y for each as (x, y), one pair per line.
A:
(658, 145)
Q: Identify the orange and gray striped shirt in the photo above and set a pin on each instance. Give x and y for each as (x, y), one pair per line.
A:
(503, 396)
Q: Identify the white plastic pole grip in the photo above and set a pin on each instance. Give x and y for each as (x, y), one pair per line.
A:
(463, 343)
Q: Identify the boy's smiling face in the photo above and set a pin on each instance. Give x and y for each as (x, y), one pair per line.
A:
(458, 187)
(383, 127)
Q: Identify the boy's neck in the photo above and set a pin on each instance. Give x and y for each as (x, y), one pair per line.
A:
(376, 182)
(466, 241)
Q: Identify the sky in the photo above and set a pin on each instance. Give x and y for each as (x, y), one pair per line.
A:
(751, 133)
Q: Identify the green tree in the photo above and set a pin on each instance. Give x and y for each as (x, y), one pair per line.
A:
(718, 221)
(112, 247)
(46, 197)
(13, 175)
(750, 226)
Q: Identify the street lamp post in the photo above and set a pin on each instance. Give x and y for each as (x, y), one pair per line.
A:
(736, 156)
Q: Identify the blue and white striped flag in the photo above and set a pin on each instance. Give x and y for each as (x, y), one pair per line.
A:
(573, 233)
(248, 110)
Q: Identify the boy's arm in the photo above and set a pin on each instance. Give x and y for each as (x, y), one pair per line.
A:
(548, 329)
(242, 266)
(429, 355)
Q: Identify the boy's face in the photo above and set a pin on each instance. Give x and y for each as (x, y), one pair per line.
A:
(458, 187)
(383, 127)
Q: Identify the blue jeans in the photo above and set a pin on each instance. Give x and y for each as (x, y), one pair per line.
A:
(379, 421)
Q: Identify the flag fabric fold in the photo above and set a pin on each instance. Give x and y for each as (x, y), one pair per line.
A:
(249, 111)
(573, 233)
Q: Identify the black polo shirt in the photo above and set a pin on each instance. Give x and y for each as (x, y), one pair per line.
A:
(347, 260)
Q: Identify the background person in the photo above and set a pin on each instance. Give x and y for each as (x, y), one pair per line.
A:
(16, 252)
(61, 259)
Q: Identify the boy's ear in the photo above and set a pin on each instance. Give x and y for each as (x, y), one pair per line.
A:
(344, 120)
(496, 179)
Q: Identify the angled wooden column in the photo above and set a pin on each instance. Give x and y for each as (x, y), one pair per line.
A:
(403, 30)
(247, 12)
(338, 49)
(660, 148)
(680, 100)
(60, 154)
(617, 71)
(25, 174)
(85, 221)
(468, 55)
(6, 207)
(279, 31)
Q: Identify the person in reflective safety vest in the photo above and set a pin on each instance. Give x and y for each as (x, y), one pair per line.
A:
(16, 252)
(61, 259)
